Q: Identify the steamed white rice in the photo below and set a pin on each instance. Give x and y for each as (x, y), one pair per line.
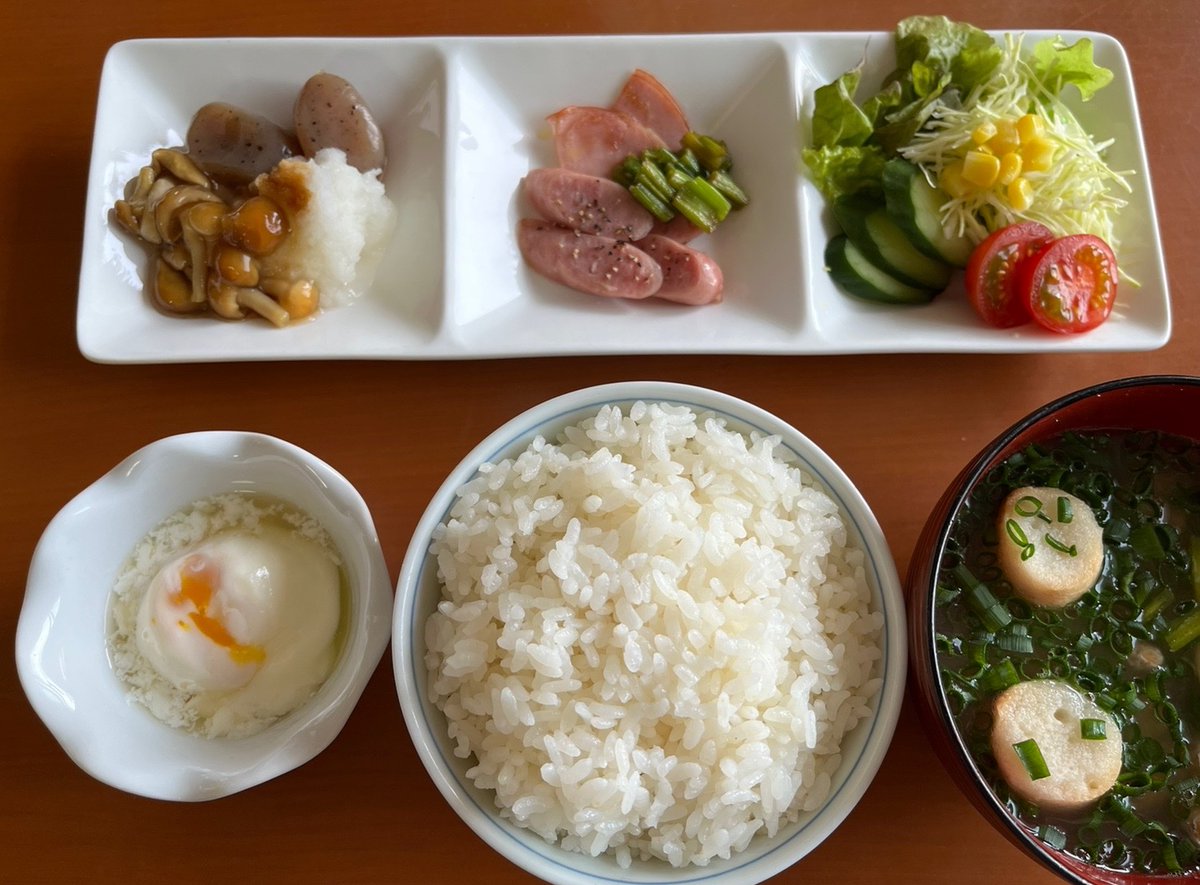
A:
(653, 637)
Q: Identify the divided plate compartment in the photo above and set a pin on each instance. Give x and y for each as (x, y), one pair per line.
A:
(465, 120)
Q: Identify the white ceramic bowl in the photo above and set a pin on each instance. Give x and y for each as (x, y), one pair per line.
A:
(418, 591)
(61, 649)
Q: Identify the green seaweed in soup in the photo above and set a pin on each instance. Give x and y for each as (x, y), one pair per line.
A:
(1130, 644)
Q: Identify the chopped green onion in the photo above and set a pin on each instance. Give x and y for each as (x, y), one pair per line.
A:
(711, 153)
(1016, 533)
(1170, 859)
(1194, 550)
(626, 172)
(1135, 783)
(710, 195)
(999, 677)
(729, 188)
(1031, 757)
(1132, 825)
(1092, 729)
(1060, 546)
(945, 594)
(687, 159)
(677, 177)
(1052, 836)
(651, 202)
(1154, 687)
(1032, 506)
(665, 183)
(1065, 513)
(1027, 551)
(1020, 643)
(661, 157)
(981, 600)
(1183, 631)
(977, 651)
(695, 210)
(1157, 603)
(1146, 541)
(650, 176)
(1185, 851)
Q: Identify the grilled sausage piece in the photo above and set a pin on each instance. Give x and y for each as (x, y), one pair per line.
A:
(597, 265)
(587, 203)
(689, 277)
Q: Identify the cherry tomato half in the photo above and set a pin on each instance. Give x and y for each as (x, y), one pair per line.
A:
(1071, 283)
(993, 273)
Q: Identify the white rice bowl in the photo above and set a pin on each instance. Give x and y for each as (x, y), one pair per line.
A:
(691, 675)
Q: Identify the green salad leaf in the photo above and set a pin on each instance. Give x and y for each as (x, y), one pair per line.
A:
(966, 53)
(837, 120)
(950, 79)
(839, 170)
(887, 99)
(1058, 65)
(938, 61)
(899, 127)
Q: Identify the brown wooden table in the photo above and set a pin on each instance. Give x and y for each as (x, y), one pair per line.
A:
(364, 810)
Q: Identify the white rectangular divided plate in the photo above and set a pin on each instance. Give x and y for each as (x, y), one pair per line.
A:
(464, 120)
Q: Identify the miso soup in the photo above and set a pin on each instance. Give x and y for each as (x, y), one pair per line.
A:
(1130, 643)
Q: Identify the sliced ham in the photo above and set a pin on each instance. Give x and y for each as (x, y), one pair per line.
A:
(587, 203)
(648, 101)
(595, 140)
(589, 263)
(688, 276)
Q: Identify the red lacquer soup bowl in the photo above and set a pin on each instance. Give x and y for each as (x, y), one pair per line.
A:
(1170, 404)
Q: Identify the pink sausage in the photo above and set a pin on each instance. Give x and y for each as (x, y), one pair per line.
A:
(648, 101)
(595, 140)
(598, 265)
(587, 203)
(688, 276)
(678, 229)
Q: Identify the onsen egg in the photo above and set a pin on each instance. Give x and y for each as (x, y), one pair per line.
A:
(208, 617)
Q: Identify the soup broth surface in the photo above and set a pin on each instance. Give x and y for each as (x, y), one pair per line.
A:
(1130, 643)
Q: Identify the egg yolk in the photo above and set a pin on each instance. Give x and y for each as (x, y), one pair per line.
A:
(198, 579)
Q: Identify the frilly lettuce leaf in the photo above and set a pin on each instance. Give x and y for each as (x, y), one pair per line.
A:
(837, 120)
(939, 64)
(1058, 65)
(840, 169)
(968, 54)
(887, 99)
(898, 128)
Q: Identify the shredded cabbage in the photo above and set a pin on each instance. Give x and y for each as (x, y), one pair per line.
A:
(1079, 193)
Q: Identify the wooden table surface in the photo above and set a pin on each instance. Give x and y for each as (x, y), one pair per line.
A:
(364, 810)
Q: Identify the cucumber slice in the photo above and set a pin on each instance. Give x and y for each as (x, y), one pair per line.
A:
(915, 205)
(873, 232)
(851, 270)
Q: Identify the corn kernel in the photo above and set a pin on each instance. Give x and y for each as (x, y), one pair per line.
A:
(983, 132)
(1020, 194)
(1037, 154)
(980, 169)
(1010, 168)
(1030, 127)
(951, 181)
(1006, 138)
